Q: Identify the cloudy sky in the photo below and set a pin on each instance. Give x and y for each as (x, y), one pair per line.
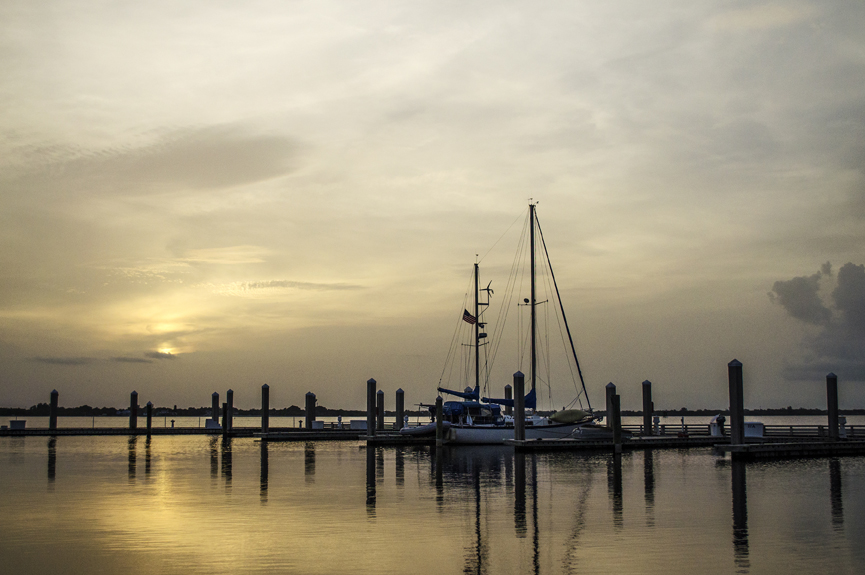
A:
(203, 195)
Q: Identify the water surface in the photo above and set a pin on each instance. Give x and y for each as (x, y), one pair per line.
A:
(198, 504)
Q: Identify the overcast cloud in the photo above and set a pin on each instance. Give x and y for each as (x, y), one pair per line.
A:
(207, 195)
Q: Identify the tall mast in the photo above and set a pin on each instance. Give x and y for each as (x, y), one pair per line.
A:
(532, 283)
(477, 334)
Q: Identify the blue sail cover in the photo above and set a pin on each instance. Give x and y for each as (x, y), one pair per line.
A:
(531, 401)
(473, 395)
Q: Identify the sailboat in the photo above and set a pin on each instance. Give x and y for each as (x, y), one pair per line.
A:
(479, 420)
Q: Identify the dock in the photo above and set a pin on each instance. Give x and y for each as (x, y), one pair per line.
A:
(794, 449)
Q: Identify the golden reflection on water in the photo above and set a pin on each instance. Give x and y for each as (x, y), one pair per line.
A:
(136, 505)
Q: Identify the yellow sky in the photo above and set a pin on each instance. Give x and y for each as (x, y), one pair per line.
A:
(195, 197)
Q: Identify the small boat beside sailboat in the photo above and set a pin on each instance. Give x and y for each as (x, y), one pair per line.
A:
(473, 419)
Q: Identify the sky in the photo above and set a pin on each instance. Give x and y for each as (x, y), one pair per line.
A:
(197, 196)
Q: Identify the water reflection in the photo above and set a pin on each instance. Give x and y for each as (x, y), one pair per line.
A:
(614, 485)
(649, 485)
(400, 467)
(477, 553)
(536, 538)
(492, 512)
(226, 460)
(370, 481)
(133, 439)
(520, 494)
(439, 477)
(52, 459)
(214, 457)
(147, 457)
(262, 490)
(835, 494)
(740, 517)
(309, 462)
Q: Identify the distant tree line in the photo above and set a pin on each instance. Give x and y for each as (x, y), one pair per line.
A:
(44, 410)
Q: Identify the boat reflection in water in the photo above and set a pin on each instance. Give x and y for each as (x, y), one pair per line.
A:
(390, 510)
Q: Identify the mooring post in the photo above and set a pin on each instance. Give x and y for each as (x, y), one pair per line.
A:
(647, 407)
(519, 406)
(149, 411)
(265, 408)
(379, 410)
(611, 391)
(370, 407)
(52, 415)
(214, 414)
(737, 403)
(133, 410)
(229, 396)
(400, 409)
(224, 418)
(832, 405)
(310, 409)
(439, 421)
(617, 423)
(509, 394)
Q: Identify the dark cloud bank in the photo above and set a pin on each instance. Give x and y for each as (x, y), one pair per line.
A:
(839, 346)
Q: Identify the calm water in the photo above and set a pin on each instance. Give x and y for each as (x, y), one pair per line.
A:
(196, 504)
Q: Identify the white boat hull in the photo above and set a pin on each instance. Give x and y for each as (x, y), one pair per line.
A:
(496, 435)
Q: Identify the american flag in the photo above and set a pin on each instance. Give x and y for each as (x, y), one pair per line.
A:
(469, 318)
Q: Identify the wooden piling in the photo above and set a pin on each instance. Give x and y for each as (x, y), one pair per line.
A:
(370, 407)
(310, 409)
(149, 412)
(647, 407)
(439, 421)
(610, 391)
(214, 413)
(519, 406)
(379, 410)
(224, 418)
(509, 394)
(737, 407)
(617, 423)
(265, 408)
(229, 396)
(52, 417)
(832, 405)
(133, 410)
(400, 409)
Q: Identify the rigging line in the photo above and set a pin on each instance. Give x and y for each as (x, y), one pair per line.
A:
(502, 236)
(507, 300)
(549, 287)
(558, 295)
(450, 359)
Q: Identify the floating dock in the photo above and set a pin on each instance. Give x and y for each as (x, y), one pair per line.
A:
(793, 449)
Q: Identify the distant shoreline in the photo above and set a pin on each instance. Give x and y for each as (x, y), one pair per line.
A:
(43, 410)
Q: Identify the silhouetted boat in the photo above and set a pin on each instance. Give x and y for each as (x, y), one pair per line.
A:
(479, 420)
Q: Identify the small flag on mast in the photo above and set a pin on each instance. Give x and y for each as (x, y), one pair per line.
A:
(469, 318)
